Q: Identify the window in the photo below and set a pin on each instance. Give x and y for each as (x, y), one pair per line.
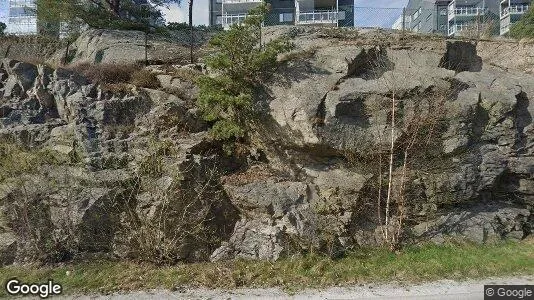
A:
(218, 20)
(341, 15)
(443, 12)
(286, 17)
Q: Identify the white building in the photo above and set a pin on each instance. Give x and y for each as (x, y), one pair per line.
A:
(511, 11)
(285, 12)
(21, 18)
(399, 24)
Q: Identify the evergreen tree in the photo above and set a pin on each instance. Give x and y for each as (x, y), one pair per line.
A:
(111, 14)
(241, 62)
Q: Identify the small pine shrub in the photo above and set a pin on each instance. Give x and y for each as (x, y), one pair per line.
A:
(241, 62)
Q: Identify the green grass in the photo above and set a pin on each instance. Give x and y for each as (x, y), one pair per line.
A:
(414, 264)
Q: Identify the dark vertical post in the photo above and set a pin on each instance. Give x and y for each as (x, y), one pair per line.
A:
(478, 24)
(146, 48)
(66, 58)
(403, 21)
(7, 51)
(192, 41)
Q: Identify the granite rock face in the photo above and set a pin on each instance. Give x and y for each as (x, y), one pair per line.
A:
(112, 163)
(476, 188)
(307, 180)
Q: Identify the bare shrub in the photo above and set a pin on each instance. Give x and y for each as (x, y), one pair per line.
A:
(411, 125)
(176, 212)
(185, 74)
(117, 77)
(106, 73)
(25, 206)
(145, 78)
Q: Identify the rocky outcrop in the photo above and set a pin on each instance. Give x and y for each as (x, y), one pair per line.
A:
(308, 180)
(128, 47)
(327, 114)
(106, 167)
(480, 224)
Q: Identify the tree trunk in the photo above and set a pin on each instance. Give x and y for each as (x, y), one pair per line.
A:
(115, 7)
(191, 42)
(391, 152)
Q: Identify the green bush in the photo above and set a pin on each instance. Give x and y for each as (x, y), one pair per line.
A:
(524, 28)
(241, 63)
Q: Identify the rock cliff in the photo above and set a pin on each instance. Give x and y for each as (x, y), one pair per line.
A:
(107, 169)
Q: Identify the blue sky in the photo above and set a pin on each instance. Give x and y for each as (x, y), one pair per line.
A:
(381, 13)
(3, 10)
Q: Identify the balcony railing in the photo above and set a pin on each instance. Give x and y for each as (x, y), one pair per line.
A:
(514, 10)
(240, 1)
(466, 11)
(317, 17)
(456, 28)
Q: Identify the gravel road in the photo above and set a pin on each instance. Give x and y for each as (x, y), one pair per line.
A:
(444, 289)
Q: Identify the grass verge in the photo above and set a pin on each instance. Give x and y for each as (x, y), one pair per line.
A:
(413, 264)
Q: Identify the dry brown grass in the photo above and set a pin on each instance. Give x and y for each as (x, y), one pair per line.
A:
(145, 78)
(106, 73)
(117, 77)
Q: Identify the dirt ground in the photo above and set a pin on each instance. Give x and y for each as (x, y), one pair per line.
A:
(444, 289)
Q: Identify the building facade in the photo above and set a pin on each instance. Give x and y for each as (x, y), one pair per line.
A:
(21, 18)
(510, 12)
(297, 12)
(459, 17)
(474, 16)
(426, 16)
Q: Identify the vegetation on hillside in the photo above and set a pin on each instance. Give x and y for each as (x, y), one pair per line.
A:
(524, 28)
(117, 74)
(109, 14)
(241, 62)
(413, 264)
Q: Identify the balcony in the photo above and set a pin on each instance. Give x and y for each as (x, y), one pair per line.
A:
(457, 28)
(514, 10)
(505, 26)
(465, 12)
(318, 17)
